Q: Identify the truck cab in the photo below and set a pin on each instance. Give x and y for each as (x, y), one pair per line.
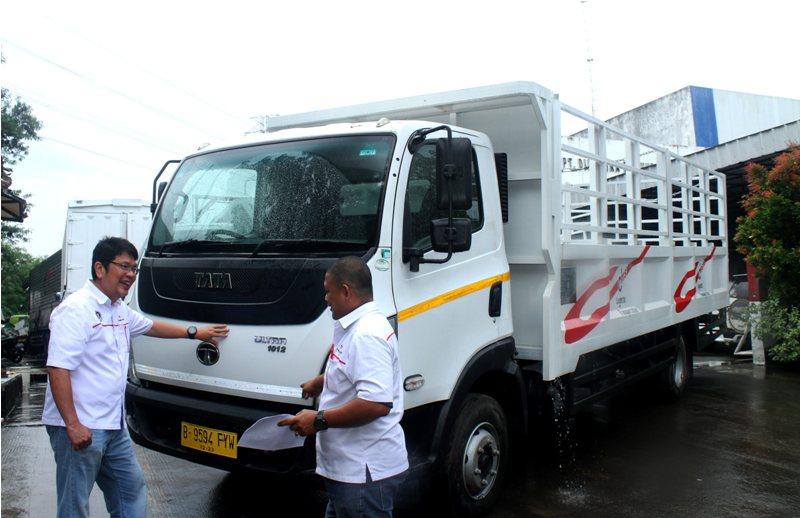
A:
(243, 235)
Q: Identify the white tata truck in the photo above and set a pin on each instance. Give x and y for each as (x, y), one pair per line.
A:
(525, 277)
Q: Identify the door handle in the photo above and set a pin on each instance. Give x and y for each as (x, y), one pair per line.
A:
(496, 299)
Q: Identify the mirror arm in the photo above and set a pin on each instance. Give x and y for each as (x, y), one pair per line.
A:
(154, 204)
(418, 137)
(415, 257)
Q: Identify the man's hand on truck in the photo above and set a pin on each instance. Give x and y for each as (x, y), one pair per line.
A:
(313, 387)
(210, 333)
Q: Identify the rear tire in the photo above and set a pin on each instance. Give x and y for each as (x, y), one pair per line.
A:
(674, 378)
(477, 456)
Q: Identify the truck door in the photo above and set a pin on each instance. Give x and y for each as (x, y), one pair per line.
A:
(443, 316)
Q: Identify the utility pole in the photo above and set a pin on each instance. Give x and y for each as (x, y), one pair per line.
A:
(589, 58)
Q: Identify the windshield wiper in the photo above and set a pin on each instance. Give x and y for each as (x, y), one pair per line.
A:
(306, 245)
(188, 243)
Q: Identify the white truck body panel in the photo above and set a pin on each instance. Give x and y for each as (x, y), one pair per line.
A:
(547, 233)
(559, 248)
(88, 221)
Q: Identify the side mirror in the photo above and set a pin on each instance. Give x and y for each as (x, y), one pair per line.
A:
(460, 235)
(454, 167)
(161, 187)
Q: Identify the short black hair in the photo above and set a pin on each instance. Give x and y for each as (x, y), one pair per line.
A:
(110, 247)
(354, 272)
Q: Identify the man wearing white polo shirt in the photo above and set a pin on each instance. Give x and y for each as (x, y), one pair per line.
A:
(361, 449)
(87, 363)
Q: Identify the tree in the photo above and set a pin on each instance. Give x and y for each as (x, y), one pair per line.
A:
(768, 238)
(17, 266)
(19, 126)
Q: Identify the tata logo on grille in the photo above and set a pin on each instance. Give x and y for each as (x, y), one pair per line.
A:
(207, 353)
(213, 281)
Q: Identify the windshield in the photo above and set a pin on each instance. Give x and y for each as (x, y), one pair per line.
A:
(312, 195)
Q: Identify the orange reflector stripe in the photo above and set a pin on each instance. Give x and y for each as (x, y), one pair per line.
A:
(450, 296)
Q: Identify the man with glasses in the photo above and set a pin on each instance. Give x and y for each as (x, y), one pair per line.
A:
(87, 364)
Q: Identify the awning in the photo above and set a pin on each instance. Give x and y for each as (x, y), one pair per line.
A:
(13, 207)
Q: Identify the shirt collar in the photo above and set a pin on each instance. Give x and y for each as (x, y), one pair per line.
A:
(348, 320)
(97, 295)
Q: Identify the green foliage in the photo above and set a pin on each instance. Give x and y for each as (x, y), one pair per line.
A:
(768, 235)
(15, 268)
(780, 323)
(15, 233)
(769, 239)
(19, 126)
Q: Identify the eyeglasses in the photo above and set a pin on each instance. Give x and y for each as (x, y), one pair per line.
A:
(127, 267)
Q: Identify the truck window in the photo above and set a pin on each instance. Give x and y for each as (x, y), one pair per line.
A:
(321, 194)
(220, 198)
(421, 198)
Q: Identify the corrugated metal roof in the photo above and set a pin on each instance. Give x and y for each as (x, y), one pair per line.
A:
(736, 153)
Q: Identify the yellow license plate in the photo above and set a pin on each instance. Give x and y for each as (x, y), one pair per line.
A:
(209, 440)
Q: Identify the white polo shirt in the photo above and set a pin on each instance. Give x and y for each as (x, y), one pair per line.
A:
(90, 337)
(363, 363)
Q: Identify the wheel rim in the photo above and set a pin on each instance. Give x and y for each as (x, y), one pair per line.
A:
(678, 368)
(481, 461)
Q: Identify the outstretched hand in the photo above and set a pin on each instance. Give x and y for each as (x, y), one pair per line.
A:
(212, 333)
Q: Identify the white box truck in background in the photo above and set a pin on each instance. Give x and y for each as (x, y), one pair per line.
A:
(88, 221)
(67, 270)
(517, 293)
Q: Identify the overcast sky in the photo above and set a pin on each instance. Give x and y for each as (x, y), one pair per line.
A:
(120, 90)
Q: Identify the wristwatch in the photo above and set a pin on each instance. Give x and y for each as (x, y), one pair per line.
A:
(191, 331)
(320, 423)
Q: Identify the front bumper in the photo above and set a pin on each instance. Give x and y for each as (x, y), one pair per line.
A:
(154, 415)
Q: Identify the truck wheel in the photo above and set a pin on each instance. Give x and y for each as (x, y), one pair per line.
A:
(477, 457)
(674, 378)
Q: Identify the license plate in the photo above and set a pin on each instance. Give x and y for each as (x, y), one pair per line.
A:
(209, 440)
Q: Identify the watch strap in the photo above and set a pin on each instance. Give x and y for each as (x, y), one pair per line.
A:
(320, 423)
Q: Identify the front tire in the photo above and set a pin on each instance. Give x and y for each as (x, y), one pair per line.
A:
(477, 457)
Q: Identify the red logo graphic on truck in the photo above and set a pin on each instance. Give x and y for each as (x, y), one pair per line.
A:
(696, 272)
(575, 326)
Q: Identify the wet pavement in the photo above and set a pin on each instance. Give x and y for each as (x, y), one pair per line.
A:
(730, 447)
